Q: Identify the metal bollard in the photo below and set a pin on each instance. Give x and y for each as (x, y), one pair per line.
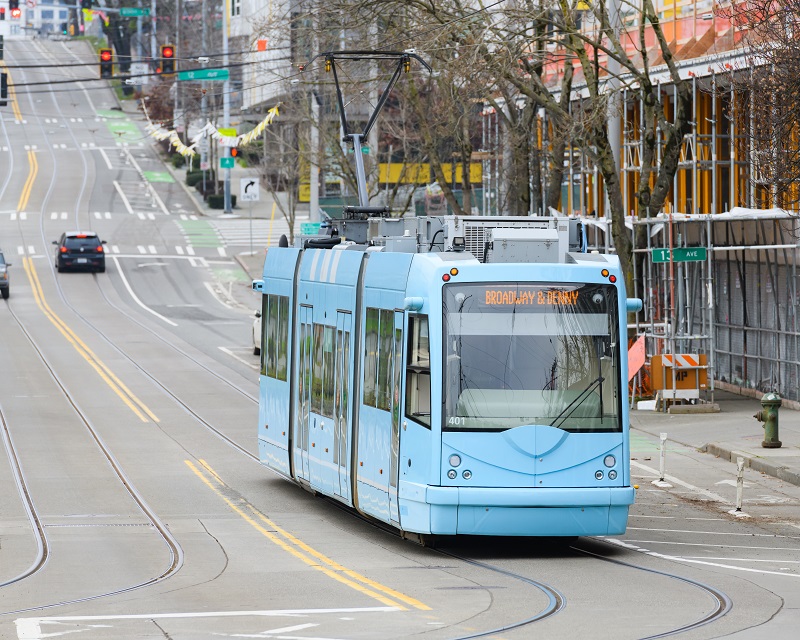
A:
(739, 482)
(771, 402)
(663, 461)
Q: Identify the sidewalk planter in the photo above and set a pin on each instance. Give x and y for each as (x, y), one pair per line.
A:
(217, 201)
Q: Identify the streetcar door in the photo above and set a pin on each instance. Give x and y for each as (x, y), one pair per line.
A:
(304, 395)
(396, 411)
(341, 403)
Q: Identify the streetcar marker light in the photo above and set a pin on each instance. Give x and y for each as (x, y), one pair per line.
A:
(613, 278)
(446, 277)
(453, 271)
(604, 273)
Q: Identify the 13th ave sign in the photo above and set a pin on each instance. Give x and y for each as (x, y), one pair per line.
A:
(681, 254)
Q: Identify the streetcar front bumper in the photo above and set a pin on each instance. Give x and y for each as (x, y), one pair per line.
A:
(518, 511)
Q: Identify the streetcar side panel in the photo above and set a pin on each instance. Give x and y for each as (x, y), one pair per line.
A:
(326, 295)
(275, 379)
(380, 403)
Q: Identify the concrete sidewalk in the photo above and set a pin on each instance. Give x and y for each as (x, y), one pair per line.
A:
(731, 433)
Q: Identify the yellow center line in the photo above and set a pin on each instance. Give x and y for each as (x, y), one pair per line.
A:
(103, 371)
(307, 554)
(12, 94)
(26, 190)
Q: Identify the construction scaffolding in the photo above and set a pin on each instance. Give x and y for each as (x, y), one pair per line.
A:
(723, 285)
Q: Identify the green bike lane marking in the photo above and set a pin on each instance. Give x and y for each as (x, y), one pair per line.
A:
(112, 114)
(199, 233)
(124, 130)
(158, 176)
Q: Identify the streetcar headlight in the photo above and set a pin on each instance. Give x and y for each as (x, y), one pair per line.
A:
(612, 475)
(598, 475)
(452, 474)
(454, 460)
(609, 461)
(467, 474)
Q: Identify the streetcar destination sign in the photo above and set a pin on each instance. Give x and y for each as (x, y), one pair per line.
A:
(204, 74)
(681, 254)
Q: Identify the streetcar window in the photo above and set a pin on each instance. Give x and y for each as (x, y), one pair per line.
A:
(283, 337)
(418, 371)
(385, 360)
(316, 368)
(518, 353)
(371, 357)
(328, 371)
(264, 327)
(272, 336)
(275, 326)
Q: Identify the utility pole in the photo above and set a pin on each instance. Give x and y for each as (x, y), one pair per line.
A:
(226, 104)
(204, 100)
(153, 44)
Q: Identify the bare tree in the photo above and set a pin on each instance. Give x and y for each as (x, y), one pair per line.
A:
(770, 87)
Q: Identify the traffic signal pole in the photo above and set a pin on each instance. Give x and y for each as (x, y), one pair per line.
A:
(226, 105)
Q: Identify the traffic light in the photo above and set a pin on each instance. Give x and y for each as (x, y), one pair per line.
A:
(3, 89)
(13, 4)
(86, 4)
(106, 63)
(2, 47)
(16, 12)
(167, 58)
(234, 152)
(2, 13)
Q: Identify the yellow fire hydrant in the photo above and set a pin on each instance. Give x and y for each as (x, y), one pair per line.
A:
(771, 402)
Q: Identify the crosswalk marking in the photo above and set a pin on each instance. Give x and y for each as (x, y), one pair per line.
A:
(179, 250)
(221, 251)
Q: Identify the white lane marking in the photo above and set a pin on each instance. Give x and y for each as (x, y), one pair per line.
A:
(716, 533)
(13, 216)
(190, 250)
(179, 250)
(31, 628)
(54, 215)
(235, 357)
(733, 483)
(141, 249)
(708, 494)
(742, 559)
(105, 157)
(108, 215)
(123, 196)
(151, 216)
(64, 215)
(141, 216)
(662, 556)
(183, 216)
(20, 250)
(720, 546)
(133, 295)
(151, 248)
(221, 251)
(114, 248)
(31, 249)
(97, 215)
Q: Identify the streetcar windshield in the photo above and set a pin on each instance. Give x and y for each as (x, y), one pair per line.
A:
(531, 354)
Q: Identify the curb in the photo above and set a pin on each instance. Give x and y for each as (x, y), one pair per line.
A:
(245, 269)
(757, 464)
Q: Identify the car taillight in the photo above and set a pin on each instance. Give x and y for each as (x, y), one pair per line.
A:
(63, 249)
(100, 248)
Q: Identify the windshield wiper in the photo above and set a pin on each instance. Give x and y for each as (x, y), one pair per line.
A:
(577, 401)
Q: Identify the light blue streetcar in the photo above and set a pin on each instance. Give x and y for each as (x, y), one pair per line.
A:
(450, 375)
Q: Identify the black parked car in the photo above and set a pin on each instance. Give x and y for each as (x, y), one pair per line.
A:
(4, 283)
(80, 250)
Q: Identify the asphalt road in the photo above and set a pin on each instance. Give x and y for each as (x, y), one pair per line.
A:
(132, 502)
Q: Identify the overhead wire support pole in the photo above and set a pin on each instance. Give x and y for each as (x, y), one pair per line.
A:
(403, 59)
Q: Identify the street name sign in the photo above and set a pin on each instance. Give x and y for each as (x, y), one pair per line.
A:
(204, 74)
(133, 12)
(226, 163)
(248, 190)
(681, 254)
